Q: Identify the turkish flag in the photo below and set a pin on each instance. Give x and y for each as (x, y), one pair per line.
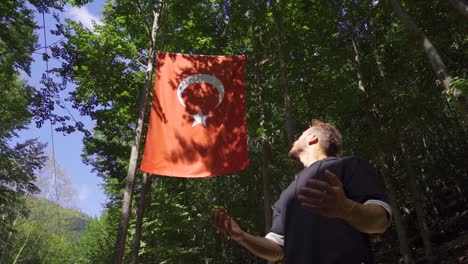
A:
(197, 125)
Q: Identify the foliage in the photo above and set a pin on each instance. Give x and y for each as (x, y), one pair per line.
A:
(19, 161)
(350, 63)
(49, 234)
(97, 243)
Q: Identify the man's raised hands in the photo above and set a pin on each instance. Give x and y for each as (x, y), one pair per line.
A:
(225, 224)
(326, 199)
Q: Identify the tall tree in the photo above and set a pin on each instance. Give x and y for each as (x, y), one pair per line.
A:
(461, 6)
(130, 181)
(418, 205)
(438, 65)
(283, 71)
(19, 160)
(383, 155)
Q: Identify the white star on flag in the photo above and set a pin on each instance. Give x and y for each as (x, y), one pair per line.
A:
(199, 119)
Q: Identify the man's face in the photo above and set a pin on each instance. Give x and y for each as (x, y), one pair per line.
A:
(299, 146)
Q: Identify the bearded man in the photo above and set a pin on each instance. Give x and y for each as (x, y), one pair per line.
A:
(326, 214)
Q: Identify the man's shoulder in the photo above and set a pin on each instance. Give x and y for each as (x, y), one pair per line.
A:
(352, 163)
(353, 160)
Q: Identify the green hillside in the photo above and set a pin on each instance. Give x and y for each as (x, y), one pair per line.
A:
(49, 234)
(59, 220)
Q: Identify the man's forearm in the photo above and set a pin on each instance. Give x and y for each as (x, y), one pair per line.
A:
(261, 247)
(368, 218)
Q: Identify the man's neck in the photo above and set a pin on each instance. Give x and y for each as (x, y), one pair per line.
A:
(313, 157)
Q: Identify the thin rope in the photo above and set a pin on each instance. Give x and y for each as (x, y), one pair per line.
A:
(50, 45)
(66, 108)
(47, 68)
(45, 41)
(51, 127)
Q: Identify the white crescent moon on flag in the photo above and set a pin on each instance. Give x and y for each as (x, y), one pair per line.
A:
(197, 78)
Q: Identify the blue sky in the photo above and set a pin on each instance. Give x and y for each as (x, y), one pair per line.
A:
(90, 196)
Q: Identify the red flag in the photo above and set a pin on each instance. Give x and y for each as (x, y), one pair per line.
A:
(197, 125)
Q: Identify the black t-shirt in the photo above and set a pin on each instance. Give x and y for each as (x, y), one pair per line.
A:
(311, 238)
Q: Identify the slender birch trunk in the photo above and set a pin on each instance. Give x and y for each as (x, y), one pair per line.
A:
(22, 247)
(26, 242)
(130, 181)
(419, 207)
(396, 212)
(145, 188)
(389, 183)
(438, 65)
(267, 197)
(283, 72)
(266, 179)
(382, 155)
(461, 6)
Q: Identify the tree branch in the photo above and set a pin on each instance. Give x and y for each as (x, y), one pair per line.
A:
(460, 6)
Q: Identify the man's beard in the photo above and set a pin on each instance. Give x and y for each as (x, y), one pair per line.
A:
(294, 153)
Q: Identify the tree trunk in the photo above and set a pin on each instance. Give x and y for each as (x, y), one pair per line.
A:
(22, 247)
(460, 6)
(382, 155)
(396, 213)
(266, 179)
(24, 243)
(357, 66)
(14, 225)
(438, 65)
(283, 72)
(145, 187)
(267, 197)
(419, 207)
(130, 181)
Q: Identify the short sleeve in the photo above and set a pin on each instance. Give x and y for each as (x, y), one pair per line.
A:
(363, 184)
(277, 225)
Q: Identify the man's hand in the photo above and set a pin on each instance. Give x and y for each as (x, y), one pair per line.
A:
(260, 246)
(225, 224)
(326, 199)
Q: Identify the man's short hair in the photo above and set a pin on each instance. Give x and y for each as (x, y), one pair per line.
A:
(329, 136)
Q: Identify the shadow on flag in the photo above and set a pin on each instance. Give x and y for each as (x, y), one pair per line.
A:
(197, 124)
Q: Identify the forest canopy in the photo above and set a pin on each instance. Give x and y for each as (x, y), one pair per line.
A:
(392, 76)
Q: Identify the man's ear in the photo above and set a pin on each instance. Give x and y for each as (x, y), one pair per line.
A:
(312, 139)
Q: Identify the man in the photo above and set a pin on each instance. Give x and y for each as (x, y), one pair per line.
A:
(326, 214)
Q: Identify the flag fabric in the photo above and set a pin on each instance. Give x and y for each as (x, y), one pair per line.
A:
(197, 125)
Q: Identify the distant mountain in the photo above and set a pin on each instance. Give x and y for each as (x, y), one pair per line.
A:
(58, 219)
